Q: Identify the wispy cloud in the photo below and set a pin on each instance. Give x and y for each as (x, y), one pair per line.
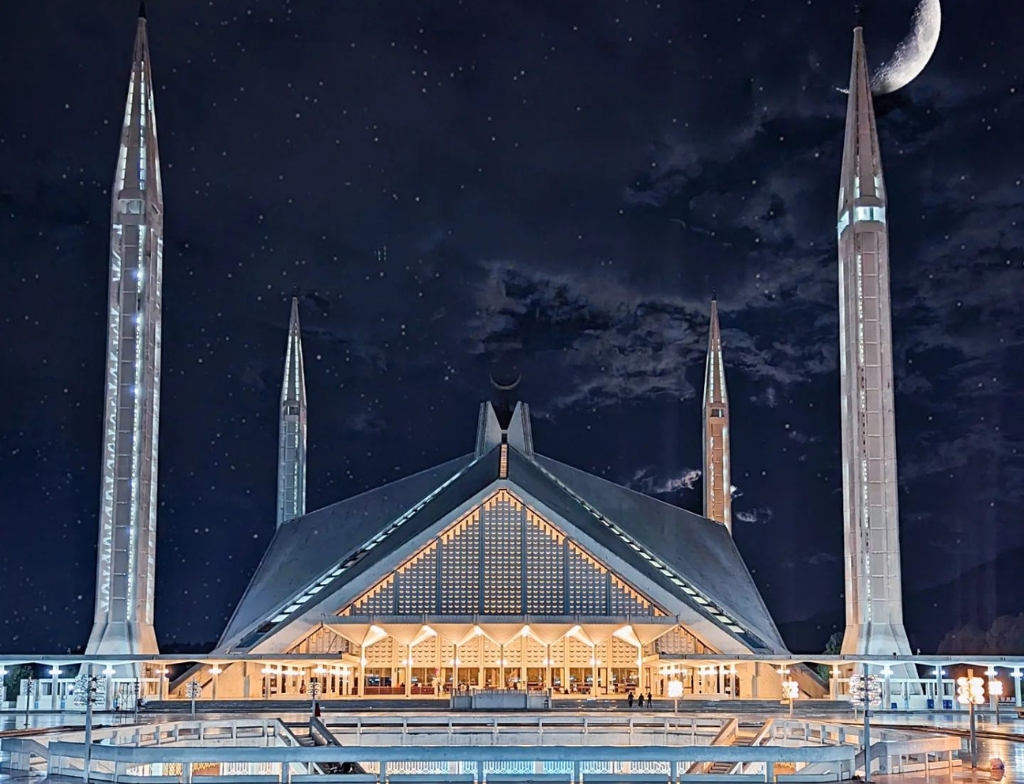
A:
(646, 481)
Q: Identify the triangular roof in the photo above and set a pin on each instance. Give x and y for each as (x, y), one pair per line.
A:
(305, 550)
(318, 562)
(698, 550)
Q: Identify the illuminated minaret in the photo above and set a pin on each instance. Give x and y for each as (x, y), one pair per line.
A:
(874, 598)
(717, 477)
(127, 542)
(291, 464)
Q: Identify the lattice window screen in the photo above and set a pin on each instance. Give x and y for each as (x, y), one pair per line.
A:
(626, 601)
(469, 653)
(512, 653)
(545, 568)
(503, 555)
(417, 584)
(424, 654)
(679, 641)
(579, 652)
(499, 529)
(621, 653)
(460, 562)
(380, 654)
(536, 652)
(586, 584)
(321, 640)
(380, 600)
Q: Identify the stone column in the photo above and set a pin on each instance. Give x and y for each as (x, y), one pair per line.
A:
(548, 682)
(480, 662)
(359, 673)
(523, 680)
(408, 672)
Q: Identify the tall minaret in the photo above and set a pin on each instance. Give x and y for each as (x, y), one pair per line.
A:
(874, 599)
(717, 477)
(291, 464)
(127, 543)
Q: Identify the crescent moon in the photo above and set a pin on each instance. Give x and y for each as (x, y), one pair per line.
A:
(913, 53)
(506, 387)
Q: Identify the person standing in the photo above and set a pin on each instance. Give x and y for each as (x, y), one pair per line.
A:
(629, 699)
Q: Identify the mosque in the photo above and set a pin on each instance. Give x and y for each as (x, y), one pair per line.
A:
(501, 568)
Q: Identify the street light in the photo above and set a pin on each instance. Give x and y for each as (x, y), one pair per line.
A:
(995, 690)
(193, 691)
(868, 690)
(215, 670)
(675, 691)
(970, 691)
(89, 689)
(790, 691)
(29, 688)
(314, 692)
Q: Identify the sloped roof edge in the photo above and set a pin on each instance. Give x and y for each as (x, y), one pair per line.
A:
(699, 550)
(306, 548)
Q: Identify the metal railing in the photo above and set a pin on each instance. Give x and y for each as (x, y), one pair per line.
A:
(114, 762)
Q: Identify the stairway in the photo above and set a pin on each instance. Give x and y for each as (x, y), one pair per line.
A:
(744, 737)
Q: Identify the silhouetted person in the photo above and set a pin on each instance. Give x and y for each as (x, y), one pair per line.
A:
(629, 699)
(650, 700)
(640, 700)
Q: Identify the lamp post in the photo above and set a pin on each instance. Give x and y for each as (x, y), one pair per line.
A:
(89, 689)
(868, 690)
(29, 688)
(675, 684)
(193, 691)
(790, 691)
(995, 691)
(675, 691)
(970, 691)
(54, 687)
(314, 692)
(783, 671)
(215, 670)
(136, 693)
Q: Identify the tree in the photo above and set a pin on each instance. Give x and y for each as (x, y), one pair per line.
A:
(833, 647)
(15, 675)
(1005, 637)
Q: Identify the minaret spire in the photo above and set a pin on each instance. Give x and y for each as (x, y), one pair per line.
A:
(291, 466)
(128, 502)
(874, 598)
(717, 477)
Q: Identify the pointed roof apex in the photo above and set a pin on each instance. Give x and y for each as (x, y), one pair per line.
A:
(142, 9)
(294, 386)
(714, 373)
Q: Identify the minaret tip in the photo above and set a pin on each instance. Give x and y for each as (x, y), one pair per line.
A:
(717, 482)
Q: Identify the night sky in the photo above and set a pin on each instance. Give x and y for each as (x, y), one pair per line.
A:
(560, 187)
